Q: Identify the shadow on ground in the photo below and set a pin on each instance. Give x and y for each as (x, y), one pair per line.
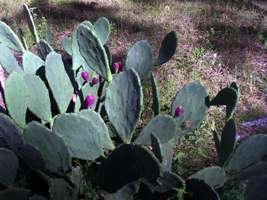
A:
(73, 12)
(233, 41)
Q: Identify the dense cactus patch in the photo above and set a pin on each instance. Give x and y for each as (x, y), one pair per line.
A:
(60, 115)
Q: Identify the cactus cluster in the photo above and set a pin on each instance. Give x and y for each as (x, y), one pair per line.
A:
(61, 113)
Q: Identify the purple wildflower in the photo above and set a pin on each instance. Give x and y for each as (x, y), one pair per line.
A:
(85, 76)
(90, 100)
(95, 81)
(117, 67)
(179, 111)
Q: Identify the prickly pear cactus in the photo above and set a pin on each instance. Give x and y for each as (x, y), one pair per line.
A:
(10, 136)
(167, 49)
(31, 62)
(256, 188)
(246, 154)
(44, 49)
(30, 21)
(102, 29)
(167, 150)
(169, 181)
(32, 157)
(56, 157)
(192, 99)
(123, 166)
(214, 176)
(198, 189)
(86, 129)
(67, 45)
(48, 87)
(124, 101)
(155, 95)
(227, 142)
(8, 60)
(229, 97)
(143, 65)
(9, 38)
(256, 170)
(164, 127)
(8, 167)
(21, 194)
(126, 192)
(16, 95)
(58, 81)
(38, 100)
(93, 52)
(156, 147)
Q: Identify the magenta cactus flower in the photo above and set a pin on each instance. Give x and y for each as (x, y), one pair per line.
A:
(179, 111)
(95, 81)
(90, 100)
(117, 67)
(85, 76)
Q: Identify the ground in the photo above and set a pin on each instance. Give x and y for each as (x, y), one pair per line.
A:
(219, 42)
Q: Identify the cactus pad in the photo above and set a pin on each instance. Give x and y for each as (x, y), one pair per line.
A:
(155, 95)
(9, 38)
(192, 97)
(139, 58)
(213, 176)
(250, 151)
(29, 19)
(8, 167)
(167, 49)
(51, 147)
(10, 136)
(44, 49)
(162, 126)
(16, 95)
(31, 62)
(123, 166)
(93, 52)
(102, 29)
(124, 101)
(38, 98)
(198, 189)
(8, 60)
(85, 134)
(228, 141)
(58, 81)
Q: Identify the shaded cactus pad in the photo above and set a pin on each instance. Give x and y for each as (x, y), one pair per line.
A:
(123, 166)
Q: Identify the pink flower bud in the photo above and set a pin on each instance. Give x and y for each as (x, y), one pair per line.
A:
(90, 100)
(179, 111)
(117, 67)
(85, 76)
(95, 81)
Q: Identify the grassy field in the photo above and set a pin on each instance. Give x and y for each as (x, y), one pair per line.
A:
(218, 43)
